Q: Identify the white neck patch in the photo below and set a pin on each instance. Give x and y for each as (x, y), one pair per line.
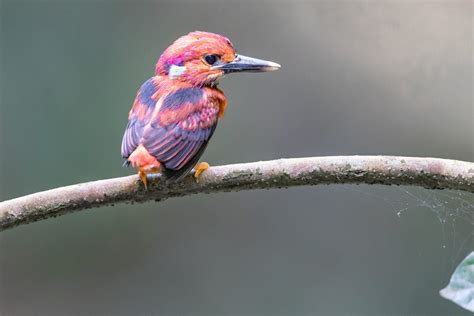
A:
(176, 71)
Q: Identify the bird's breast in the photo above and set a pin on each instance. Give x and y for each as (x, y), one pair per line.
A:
(216, 98)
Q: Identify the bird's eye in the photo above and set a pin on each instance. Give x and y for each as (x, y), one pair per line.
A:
(211, 59)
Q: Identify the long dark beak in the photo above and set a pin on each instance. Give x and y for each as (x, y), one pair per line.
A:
(247, 64)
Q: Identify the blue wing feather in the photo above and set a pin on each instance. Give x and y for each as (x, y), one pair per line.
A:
(140, 115)
(180, 144)
(177, 145)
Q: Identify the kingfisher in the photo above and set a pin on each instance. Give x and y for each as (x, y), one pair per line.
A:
(176, 112)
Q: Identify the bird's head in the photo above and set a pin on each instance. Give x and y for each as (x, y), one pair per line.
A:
(202, 58)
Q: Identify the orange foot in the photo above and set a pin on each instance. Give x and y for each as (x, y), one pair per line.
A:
(144, 178)
(143, 175)
(200, 168)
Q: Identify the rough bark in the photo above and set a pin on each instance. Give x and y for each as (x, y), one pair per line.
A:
(430, 173)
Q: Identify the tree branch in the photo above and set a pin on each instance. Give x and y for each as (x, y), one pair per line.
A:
(430, 173)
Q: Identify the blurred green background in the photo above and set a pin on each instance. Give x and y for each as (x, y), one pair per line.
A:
(357, 77)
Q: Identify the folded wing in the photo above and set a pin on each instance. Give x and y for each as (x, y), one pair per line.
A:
(176, 134)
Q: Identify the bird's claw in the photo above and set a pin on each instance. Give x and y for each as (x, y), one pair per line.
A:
(200, 168)
(144, 178)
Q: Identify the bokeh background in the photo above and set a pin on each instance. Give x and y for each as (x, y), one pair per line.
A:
(358, 77)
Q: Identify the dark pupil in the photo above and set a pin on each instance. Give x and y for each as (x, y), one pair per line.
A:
(211, 59)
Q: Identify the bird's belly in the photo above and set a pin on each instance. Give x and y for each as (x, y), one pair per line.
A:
(141, 158)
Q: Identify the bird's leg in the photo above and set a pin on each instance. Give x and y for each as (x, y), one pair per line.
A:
(200, 168)
(144, 171)
(143, 177)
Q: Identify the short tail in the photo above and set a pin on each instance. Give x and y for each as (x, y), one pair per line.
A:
(175, 175)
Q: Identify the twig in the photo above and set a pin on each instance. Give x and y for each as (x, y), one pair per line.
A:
(430, 173)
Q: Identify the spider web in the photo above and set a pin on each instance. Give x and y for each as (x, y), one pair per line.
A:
(453, 209)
